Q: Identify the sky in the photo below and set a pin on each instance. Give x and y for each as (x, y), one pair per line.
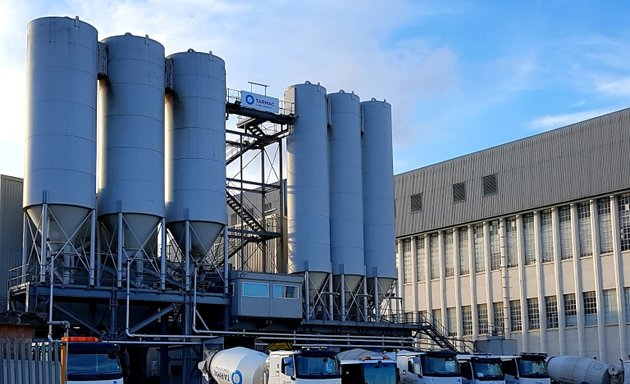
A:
(461, 76)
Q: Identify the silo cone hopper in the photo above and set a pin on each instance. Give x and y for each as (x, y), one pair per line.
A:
(202, 236)
(65, 223)
(139, 230)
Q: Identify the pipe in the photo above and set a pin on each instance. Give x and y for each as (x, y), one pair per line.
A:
(187, 255)
(307, 295)
(342, 288)
(119, 247)
(331, 298)
(92, 247)
(225, 262)
(163, 259)
(44, 250)
(24, 248)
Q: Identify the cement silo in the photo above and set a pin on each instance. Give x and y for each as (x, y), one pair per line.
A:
(131, 147)
(378, 197)
(60, 164)
(195, 124)
(346, 197)
(308, 218)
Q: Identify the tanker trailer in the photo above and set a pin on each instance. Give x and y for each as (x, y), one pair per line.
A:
(578, 370)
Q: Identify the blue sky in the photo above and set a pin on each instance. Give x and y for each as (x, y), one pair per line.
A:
(461, 75)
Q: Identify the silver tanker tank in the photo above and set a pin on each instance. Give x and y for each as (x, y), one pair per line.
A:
(578, 370)
(378, 196)
(195, 127)
(346, 193)
(60, 161)
(308, 216)
(131, 148)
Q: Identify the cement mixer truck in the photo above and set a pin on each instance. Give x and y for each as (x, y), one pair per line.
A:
(428, 367)
(246, 366)
(578, 370)
(360, 366)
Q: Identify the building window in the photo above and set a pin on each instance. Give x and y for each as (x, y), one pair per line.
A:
(546, 239)
(464, 267)
(482, 316)
(499, 317)
(515, 316)
(260, 290)
(407, 266)
(570, 310)
(610, 306)
(605, 225)
(510, 241)
(528, 235)
(467, 322)
(564, 217)
(434, 252)
(420, 258)
(584, 225)
(437, 319)
(495, 246)
(480, 257)
(533, 314)
(233, 219)
(451, 320)
(490, 185)
(624, 221)
(551, 309)
(590, 308)
(416, 203)
(283, 291)
(449, 264)
(459, 192)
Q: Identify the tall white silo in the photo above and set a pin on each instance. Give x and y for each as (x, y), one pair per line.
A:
(60, 161)
(308, 218)
(131, 146)
(195, 150)
(346, 195)
(378, 197)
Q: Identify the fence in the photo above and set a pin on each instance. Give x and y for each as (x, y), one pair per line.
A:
(25, 362)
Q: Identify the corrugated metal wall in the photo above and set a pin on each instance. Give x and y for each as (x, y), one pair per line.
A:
(589, 158)
(10, 231)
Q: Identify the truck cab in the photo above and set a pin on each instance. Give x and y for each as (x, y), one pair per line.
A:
(428, 367)
(86, 360)
(526, 368)
(481, 369)
(377, 369)
(306, 366)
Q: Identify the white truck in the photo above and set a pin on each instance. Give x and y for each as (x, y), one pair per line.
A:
(240, 365)
(525, 368)
(428, 367)
(360, 366)
(578, 370)
(481, 369)
(87, 360)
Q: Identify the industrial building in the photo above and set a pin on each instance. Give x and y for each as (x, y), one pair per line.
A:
(528, 240)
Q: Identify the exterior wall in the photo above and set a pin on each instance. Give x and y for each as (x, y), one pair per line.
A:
(10, 231)
(556, 229)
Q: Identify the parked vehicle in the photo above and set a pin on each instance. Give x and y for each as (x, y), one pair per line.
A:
(87, 360)
(526, 368)
(359, 366)
(578, 370)
(240, 365)
(428, 367)
(481, 369)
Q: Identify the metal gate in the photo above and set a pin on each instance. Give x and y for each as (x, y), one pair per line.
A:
(25, 362)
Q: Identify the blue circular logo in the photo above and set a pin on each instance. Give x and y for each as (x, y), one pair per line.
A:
(249, 99)
(237, 377)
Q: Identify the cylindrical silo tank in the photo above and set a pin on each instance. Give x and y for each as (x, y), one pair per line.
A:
(346, 189)
(308, 218)
(131, 148)
(378, 194)
(60, 162)
(195, 127)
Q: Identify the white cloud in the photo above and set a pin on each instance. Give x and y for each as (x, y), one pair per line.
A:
(548, 122)
(614, 86)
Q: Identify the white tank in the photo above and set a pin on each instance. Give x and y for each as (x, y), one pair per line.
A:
(576, 369)
(131, 149)
(378, 193)
(346, 189)
(195, 150)
(308, 215)
(60, 159)
(238, 366)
